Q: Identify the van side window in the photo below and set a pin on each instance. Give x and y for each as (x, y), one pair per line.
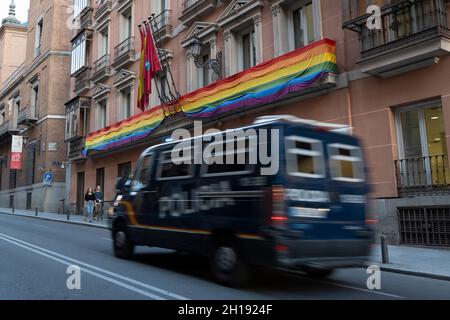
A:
(346, 163)
(168, 170)
(304, 157)
(235, 161)
(142, 175)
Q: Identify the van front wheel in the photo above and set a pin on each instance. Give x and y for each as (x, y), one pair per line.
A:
(227, 266)
(123, 248)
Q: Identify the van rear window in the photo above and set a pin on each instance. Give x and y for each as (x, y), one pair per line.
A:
(235, 161)
(346, 163)
(304, 157)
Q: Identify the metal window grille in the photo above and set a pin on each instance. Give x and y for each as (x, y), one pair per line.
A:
(428, 226)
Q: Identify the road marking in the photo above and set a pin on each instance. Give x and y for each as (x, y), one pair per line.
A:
(70, 261)
(333, 283)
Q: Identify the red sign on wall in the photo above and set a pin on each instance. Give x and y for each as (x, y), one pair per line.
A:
(16, 160)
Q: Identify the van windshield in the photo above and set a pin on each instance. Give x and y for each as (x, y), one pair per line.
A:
(346, 163)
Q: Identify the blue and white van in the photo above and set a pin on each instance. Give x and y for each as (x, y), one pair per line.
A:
(301, 205)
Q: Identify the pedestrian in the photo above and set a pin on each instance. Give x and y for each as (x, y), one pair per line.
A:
(89, 198)
(99, 199)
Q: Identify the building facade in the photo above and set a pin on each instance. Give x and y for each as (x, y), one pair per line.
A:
(322, 61)
(32, 103)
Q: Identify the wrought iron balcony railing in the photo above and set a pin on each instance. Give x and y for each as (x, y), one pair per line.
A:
(103, 8)
(101, 63)
(423, 175)
(163, 19)
(75, 149)
(123, 48)
(187, 4)
(82, 81)
(406, 23)
(193, 9)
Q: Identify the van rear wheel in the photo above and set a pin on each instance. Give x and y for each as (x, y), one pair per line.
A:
(123, 247)
(227, 266)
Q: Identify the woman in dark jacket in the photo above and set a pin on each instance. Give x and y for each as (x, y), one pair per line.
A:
(89, 198)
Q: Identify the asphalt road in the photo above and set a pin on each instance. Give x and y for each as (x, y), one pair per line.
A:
(35, 255)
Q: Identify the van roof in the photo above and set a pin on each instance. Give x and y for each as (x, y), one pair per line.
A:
(274, 120)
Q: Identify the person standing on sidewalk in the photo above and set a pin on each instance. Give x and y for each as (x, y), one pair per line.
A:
(89, 198)
(99, 199)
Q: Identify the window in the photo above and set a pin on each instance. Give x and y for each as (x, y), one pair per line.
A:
(38, 37)
(35, 100)
(422, 145)
(346, 163)
(102, 114)
(247, 49)
(124, 170)
(303, 25)
(167, 170)
(100, 178)
(236, 157)
(79, 6)
(125, 103)
(206, 75)
(79, 54)
(126, 24)
(103, 43)
(305, 157)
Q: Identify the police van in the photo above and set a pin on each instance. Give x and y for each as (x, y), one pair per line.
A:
(282, 193)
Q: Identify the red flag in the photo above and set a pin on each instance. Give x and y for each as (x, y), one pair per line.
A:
(142, 93)
(152, 65)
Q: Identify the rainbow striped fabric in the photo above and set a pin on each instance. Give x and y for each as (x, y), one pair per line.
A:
(264, 83)
(126, 131)
(260, 85)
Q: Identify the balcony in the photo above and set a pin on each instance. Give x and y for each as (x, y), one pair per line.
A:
(164, 25)
(102, 10)
(102, 69)
(192, 9)
(86, 19)
(423, 176)
(6, 128)
(75, 148)
(413, 35)
(83, 82)
(124, 53)
(26, 116)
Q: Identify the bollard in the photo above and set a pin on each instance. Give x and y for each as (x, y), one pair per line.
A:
(68, 215)
(36, 212)
(384, 249)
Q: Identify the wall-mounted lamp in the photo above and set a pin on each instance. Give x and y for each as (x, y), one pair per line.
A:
(213, 64)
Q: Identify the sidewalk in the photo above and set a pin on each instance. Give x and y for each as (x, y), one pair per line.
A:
(423, 262)
(74, 219)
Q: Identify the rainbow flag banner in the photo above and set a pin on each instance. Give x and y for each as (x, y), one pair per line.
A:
(263, 84)
(126, 131)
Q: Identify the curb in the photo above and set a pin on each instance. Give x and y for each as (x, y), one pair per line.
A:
(56, 220)
(410, 272)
